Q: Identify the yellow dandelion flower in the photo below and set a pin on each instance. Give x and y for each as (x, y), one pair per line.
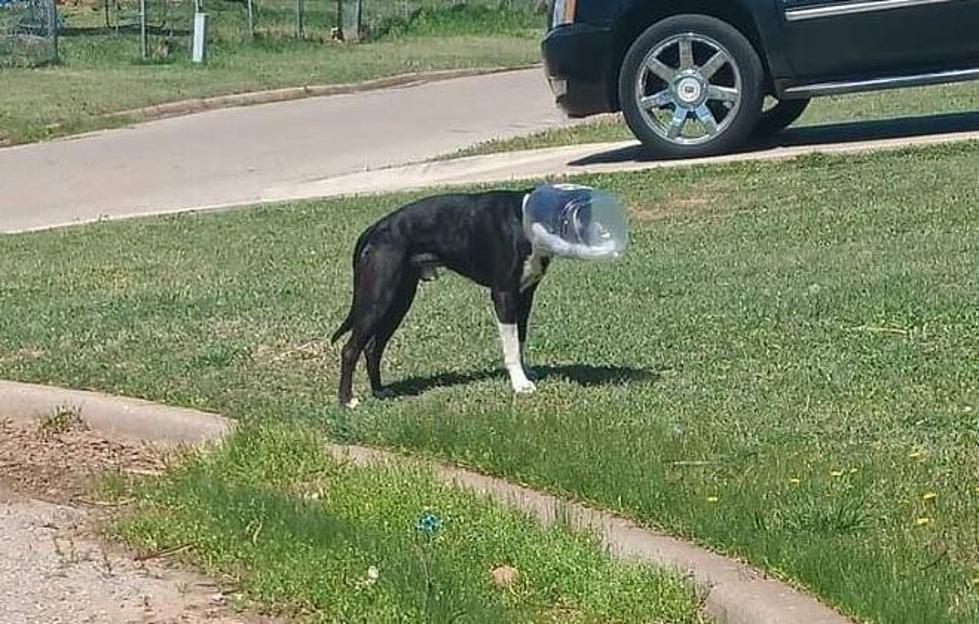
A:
(836, 473)
(922, 521)
(712, 499)
(795, 480)
(927, 496)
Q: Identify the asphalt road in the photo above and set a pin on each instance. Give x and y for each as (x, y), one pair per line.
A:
(232, 155)
(356, 143)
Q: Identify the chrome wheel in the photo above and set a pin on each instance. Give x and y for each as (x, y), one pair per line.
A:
(688, 89)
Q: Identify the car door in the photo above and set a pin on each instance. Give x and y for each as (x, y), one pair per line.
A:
(848, 39)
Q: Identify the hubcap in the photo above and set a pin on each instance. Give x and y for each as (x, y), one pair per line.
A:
(688, 89)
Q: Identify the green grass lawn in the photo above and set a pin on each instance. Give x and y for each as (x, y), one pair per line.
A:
(785, 365)
(923, 101)
(298, 532)
(101, 74)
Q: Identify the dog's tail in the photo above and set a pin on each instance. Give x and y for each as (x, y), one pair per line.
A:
(349, 321)
(344, 327)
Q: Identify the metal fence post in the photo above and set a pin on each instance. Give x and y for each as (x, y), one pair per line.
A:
(52, 27)
(199, 49)
(251, 18)
(143, 43)
(359, 20)
(299, 18)
(339, 19)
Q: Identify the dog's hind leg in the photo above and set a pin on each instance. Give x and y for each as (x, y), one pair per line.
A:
(380, 271)
(507, 305)
(348, 362)
(386, 328)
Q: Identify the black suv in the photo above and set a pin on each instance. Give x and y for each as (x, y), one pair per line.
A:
(691, 76)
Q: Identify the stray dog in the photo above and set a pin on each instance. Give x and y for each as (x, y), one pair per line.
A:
(479, 236)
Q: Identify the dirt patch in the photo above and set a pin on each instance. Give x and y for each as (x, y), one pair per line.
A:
(53, 572)
(21, 355)
(59, 459)
(670, 207)
(55, 568)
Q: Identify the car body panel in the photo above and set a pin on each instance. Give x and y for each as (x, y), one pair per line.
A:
(808, 47)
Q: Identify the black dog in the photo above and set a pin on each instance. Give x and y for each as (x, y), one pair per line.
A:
(480, 236)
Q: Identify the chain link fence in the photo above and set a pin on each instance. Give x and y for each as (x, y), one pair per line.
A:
(372, 19)
(28, 32)
(156, 29)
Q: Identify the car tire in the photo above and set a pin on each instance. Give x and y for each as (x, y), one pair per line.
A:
(780, 117)
(691, 85)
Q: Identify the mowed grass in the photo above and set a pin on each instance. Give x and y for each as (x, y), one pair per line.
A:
(102, 74)
(921, 101)
(784, 365)
(300, 533)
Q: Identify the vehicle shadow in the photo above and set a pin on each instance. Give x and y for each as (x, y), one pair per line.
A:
(823, 134)
(584, 375)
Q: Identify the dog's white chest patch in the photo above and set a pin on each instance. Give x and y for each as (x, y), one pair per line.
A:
(533, 269)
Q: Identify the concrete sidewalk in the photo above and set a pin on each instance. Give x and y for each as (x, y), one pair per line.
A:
(627, 156)
(53, 571)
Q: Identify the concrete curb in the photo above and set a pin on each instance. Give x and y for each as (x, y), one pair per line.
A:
(735, 593)
(199, 105)
(119, 417)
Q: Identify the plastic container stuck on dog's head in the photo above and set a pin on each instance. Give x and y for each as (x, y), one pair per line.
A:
(576, 221)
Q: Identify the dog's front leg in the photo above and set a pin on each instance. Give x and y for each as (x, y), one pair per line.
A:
(523, 319)
(507, 306)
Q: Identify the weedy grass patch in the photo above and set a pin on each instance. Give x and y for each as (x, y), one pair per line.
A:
(299, 532)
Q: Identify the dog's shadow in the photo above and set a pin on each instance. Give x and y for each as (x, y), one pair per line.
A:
(584, 375)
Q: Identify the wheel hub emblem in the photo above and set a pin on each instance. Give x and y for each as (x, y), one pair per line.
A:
(689, 90)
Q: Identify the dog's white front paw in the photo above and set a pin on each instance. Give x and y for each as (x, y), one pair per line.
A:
(352, 403)
(523, 386)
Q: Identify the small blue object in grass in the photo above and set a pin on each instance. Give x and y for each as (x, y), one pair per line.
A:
(428, 523)
(576, 221)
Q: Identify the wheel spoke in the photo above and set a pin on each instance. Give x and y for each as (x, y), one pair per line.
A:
(677, 122)
(660, 69)
(706, 118)
(713, 64)
(724, 94)
(686, 53)
(657, 100)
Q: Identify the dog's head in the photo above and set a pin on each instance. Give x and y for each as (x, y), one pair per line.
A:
(574, 221)
(563, 209)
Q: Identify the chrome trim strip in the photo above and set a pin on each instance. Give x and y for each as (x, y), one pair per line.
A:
(877, 84)
(849, 8)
